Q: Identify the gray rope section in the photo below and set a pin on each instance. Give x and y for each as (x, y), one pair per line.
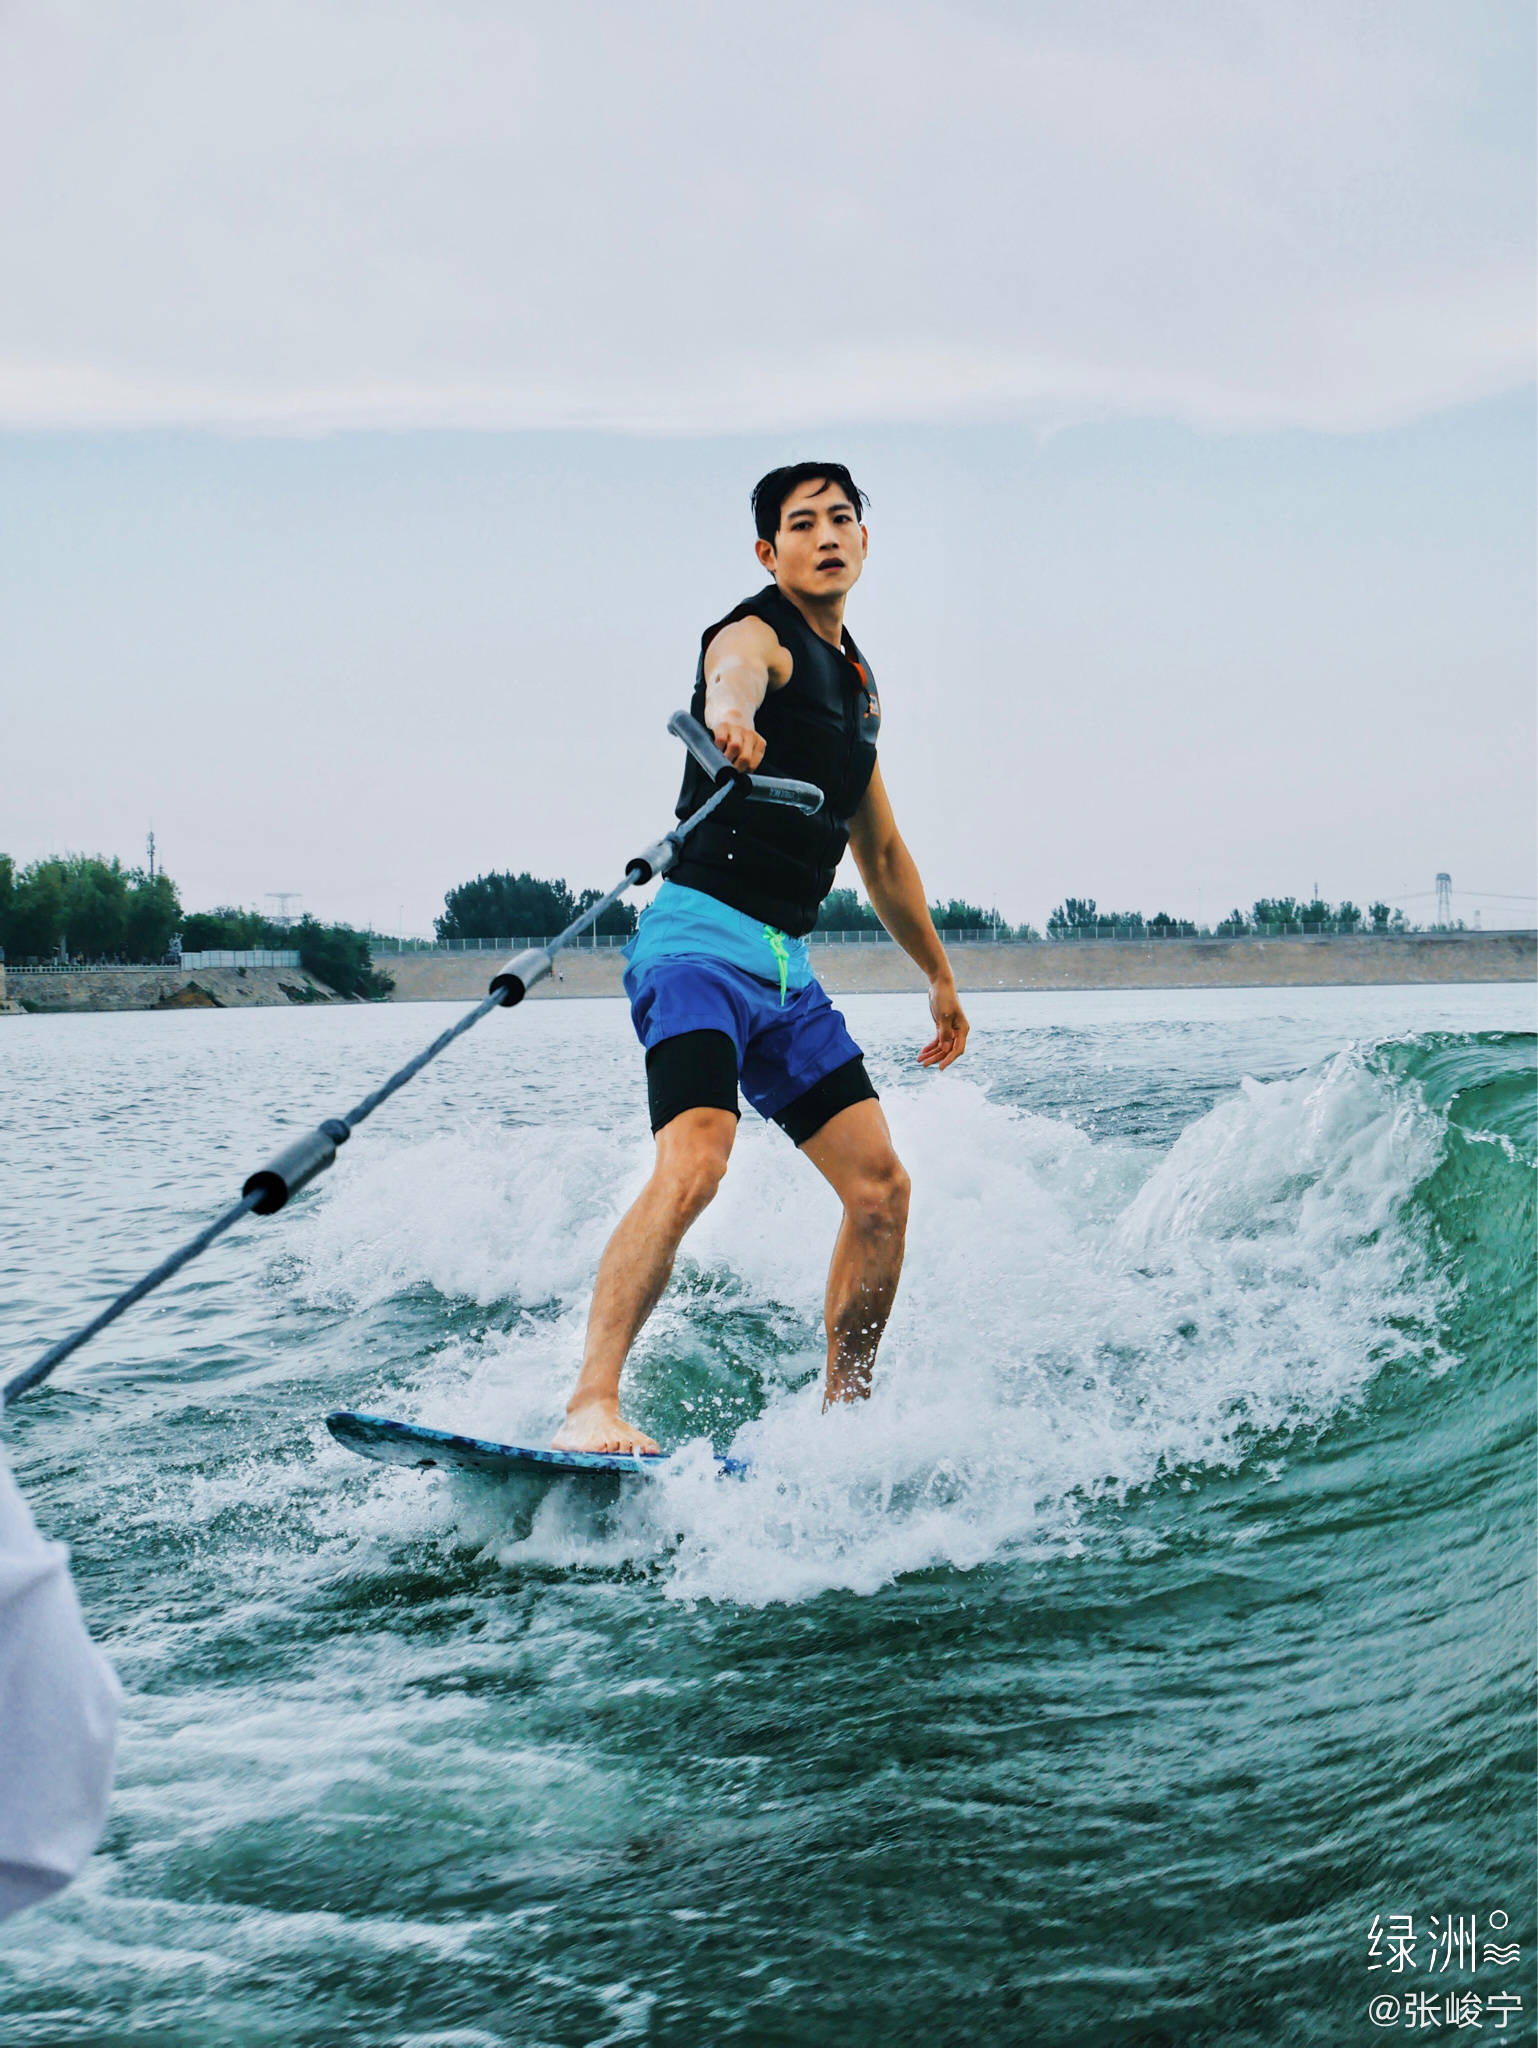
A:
(412, 1068)
(267, 1190)
(57, 1353)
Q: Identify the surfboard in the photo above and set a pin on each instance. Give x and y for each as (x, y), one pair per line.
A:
(599, 1475)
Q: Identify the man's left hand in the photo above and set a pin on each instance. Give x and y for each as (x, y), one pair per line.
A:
(951, 1027)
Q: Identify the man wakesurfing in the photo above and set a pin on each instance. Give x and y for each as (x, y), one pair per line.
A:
(719, 980)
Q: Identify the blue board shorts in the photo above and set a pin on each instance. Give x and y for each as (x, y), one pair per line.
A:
(706, 1025)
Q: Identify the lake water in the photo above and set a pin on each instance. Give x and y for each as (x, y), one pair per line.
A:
(1166, 1616)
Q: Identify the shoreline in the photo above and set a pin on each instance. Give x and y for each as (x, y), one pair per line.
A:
(1418, 959)
(1440, 957)
(84, 991)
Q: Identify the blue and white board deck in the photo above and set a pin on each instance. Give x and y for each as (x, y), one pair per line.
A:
(597, 1474)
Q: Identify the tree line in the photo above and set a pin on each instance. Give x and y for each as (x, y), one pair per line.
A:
(1317, 915)
(1079, 914)
(334, 953)
(84, 908)
(97, 908)
(504, 906)
(844, 910)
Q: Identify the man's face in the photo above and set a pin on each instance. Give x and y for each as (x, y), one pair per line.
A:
(819, 550)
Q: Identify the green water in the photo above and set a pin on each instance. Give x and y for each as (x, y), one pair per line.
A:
(1167, 1616)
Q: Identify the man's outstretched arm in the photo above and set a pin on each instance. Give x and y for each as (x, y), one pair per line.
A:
(897, 896)
(743, 663)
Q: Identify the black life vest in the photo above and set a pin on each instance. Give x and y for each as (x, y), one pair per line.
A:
(767, 860)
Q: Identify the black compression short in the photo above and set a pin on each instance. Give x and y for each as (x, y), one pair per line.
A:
(698, 1070)
(695, 1070)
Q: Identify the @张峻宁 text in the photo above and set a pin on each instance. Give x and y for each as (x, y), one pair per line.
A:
(1439, 1944)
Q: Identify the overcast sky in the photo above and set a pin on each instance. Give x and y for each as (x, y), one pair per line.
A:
(380, 389)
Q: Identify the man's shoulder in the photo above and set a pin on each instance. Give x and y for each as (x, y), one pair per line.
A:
(766, 604)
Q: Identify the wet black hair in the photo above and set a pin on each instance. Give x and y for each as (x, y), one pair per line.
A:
(771, 491)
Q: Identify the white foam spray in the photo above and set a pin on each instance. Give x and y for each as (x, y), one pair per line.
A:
(1077, 1320)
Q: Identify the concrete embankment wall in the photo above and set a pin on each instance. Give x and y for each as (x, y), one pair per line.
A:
(1093, 964)
(164, 988)
(842, 970)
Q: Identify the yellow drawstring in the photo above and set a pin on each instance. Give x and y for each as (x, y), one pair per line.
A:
(778, 949)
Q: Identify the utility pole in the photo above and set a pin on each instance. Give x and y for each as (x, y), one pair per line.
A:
(151, 844)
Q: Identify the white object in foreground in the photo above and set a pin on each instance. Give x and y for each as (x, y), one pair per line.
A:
(58, 1715)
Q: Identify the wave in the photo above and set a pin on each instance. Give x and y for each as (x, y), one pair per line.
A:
(1083, 1324)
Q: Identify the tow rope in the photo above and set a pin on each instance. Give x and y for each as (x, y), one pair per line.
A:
(272, 1186)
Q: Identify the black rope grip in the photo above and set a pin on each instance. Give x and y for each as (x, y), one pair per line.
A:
(520, 975)
(295, 1166)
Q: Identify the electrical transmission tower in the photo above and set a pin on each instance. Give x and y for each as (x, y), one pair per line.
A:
(1444, 899)
(283, 898)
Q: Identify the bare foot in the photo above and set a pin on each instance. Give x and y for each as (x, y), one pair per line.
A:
(599, 1426)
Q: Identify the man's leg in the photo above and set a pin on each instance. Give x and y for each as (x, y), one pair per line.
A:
(692, 1151)
(853, 1151)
